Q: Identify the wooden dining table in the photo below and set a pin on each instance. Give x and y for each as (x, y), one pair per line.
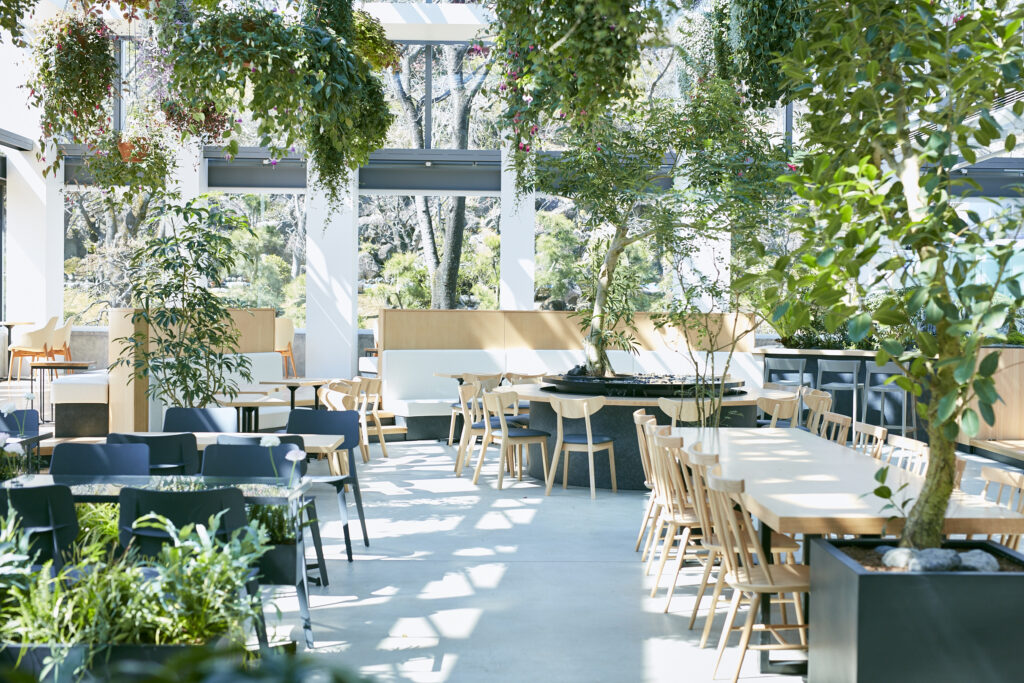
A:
(798, 483)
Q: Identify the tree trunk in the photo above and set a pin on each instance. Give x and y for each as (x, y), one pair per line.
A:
(594, 342)
(444, 284)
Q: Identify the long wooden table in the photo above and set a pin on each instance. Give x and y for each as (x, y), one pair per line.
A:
(316, 444)
(799, 483)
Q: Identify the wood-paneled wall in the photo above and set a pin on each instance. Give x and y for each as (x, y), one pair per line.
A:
(1010, 411)
(461, 329)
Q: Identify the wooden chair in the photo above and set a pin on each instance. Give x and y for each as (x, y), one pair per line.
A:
(511, 440)
(651, 429)
(339, 394)
(818, 403)
(641, 418)
(579, 409)
(749, 574)
(60, 344)
(698, 465)
(870, 439)
(677, 517)
(1006, 488)
(32, 345)
(906, 454)
(680, 410)
(484, 383)
(473, 425)
(369, 410)
(780, 409)
(519, 378)
(284, 335)
(835, 427)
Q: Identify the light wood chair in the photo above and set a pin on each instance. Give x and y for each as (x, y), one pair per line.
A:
(60, 344)
(484, 383)
(657, 492)
(339, 394)
(284, 336)
(835, 427)
(750, 575)
(906, 454)
(472, 424)
(698, 465)
(32, 345)
(512, 440)
(641, 418)
(680, 410)
(579, 409)
(677, 517)
(519, 378)
(780, 409)
(818, 403)
(370, 411)
(870, 439)
(1005, 488)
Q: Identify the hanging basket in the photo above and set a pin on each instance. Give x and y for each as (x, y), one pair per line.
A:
(133, 151)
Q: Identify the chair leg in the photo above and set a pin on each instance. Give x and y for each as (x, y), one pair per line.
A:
(643, 525)
(451, 428)
(611, 466)
(666, 548)
(590, 459)
(655, 514)
(544, 456)
(307, 624)
(730, 618)
(680, 558)
(710, 620)
(565, 469)
(343, 515)
(380, 435)
(554, 467)
(748, 627)
(708, 565)
(480, 460)
(357, 494)
(503, 460)
(656, 531)
(314, 530)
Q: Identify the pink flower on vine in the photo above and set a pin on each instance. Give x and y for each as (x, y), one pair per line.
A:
(791, 167)
(527, 98)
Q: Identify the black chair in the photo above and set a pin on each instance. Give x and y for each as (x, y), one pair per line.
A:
(342, 423)
(168, 453)
(47, 516)
(201, 420)
(231, 462)
(181, 508)
(130, 459)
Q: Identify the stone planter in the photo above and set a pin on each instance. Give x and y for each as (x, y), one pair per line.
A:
(873, 627)
(31, 659)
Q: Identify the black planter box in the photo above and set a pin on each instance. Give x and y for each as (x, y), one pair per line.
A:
(901, 626)
(107, 661)
(280, 566)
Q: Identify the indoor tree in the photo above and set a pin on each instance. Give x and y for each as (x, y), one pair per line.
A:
(899, 95)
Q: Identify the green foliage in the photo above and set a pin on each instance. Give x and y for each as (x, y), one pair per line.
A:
(875, 197)
(570, 60)
(71, 82)
(15, 561)
(372, 44)
(764, 30)
(12, 12)
(192, 594)
(98, 524)
(277, 523)
(300, 78)
(406, 283)
(189, 352)
(150, 170)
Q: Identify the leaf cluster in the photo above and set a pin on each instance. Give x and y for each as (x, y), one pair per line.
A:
(763, 30)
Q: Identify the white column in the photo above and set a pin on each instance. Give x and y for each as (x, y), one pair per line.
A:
(332, 255)
(517, 223)
(190, 176)
(35, 241)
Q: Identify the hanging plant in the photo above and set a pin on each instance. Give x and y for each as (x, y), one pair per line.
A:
(72, 81)
(300, 78)
(201, 120)
(763, 31)
(125, 165)
(11, 14)
(568, 60)
(371, 42)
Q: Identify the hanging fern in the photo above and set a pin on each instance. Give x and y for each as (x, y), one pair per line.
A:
(763, 30)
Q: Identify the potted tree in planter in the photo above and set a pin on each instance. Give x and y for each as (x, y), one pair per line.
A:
(898, 95)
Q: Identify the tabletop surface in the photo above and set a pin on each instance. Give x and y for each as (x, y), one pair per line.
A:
(315, 443)
(797, 482)
(12, 323)
(108, 487)
(62, 364)
(537, 392)
(298, 381)
(261, 399)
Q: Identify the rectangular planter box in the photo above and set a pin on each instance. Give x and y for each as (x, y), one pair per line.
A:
(279, 566)
(874, 627)
(104, 666)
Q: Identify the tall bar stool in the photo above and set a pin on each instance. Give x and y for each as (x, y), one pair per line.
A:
(786, 367)
(842, 368)
(878, 386)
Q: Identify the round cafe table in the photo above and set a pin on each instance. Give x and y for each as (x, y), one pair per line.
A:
(615, 420)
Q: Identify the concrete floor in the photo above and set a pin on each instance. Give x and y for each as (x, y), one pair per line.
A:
(468, 583)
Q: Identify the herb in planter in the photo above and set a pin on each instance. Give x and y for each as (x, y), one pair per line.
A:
(72, 81)
(276, 521)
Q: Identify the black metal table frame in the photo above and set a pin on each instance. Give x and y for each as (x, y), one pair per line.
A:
(791, 667)
(42, 384)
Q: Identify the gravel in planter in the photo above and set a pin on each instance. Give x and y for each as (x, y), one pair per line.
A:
(890, 559)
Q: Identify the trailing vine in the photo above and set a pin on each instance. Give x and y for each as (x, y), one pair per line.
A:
(570, 60)
(372, 44)
(72, 82)
(11, 14)
(762, 31)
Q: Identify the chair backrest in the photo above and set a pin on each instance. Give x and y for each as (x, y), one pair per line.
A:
(486, 382)
(469, 399)
(370, 389)
(122, 459)
(680, 410)
(641, 418)
(518, 378)
(284, 333)
(666, 455)
(1005, 488)
(495, 405)
(870, 439)
(20, 422)
(848, 369)
(181, 508)
(780, 409)
(200, 420)
(906, 453)
(340, 394)
(47, 515)
(785, 367)
(818, 403)
(168, 453)
(879, 374)
(340, 422)
(38, 338)
(835, 427)
(60, 337)
(231, 456)
(658, 485)
(735, 531)
(699, 464)
(577, 409)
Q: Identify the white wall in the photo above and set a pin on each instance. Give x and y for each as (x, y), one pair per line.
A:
(518, 229)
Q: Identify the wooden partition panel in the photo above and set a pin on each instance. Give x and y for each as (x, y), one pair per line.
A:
(128, 407)
(255, 328)
(461, 329)
(1009, 411)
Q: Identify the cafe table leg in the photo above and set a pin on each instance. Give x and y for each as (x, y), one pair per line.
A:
(292, 388)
